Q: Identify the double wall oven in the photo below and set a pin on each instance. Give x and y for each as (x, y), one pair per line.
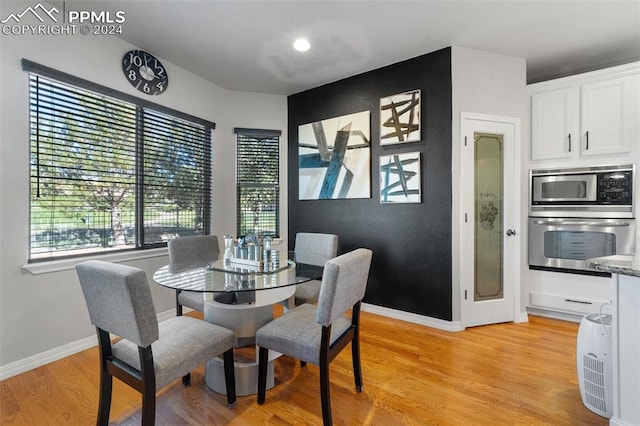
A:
(578, 214)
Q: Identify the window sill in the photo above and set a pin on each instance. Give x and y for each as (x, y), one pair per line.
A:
(66, 264)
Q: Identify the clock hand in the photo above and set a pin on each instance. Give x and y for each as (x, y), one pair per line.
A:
(146, 72)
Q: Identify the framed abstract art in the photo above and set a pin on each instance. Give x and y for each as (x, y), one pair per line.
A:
(334, 158)
(400, 178)
(400, 118)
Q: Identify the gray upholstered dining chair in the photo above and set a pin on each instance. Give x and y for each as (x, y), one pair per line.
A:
(188, 253)
(150, 355)
(313, 249)
(317, 334)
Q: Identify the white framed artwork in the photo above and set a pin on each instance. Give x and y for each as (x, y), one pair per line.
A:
(334, 158)
(400, 118)
(400, 180)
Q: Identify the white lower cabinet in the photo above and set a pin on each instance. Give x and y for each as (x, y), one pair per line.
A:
(563, 303)
(572, 294)
(626, 352)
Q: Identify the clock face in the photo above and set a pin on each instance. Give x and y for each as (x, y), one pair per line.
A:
(145, 72)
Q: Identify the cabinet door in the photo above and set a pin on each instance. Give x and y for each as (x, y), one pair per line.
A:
(554, 124)
(609, 116)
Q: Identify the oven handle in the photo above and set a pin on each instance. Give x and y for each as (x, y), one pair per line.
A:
(578, 223)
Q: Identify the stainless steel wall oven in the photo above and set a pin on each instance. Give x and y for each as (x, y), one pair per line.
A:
(577, 214)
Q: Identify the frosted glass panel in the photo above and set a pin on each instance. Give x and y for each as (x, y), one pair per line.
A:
(488, 216)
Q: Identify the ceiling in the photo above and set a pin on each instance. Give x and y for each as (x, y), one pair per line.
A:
(246, 45)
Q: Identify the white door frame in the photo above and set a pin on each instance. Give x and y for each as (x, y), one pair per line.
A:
(466, 118)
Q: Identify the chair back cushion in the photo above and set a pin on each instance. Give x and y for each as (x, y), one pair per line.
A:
(315, 248)
(119, 300)
(192, 252)
(344, 282)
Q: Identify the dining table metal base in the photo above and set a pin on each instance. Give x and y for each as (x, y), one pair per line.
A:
(246, 376)
(244, 319)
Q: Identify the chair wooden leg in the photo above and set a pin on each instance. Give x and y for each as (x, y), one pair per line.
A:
(148, 386)
(355, 356)
(230, 378)
(263, 360)
(104, 405)
(325, 396)
(186, 379)
(148, 408)
(178, 305)
(355, 346)
(106, 379)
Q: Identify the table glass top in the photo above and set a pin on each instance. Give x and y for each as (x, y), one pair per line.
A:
(284, 270)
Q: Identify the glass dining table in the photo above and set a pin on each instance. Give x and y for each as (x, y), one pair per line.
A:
(240, 295)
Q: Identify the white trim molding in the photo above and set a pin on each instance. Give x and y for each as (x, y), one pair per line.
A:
(55, 354)
(46, 267)
(413, 318)
(549, 313)
(46, 357)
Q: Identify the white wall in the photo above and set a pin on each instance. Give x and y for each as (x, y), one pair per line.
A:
(39, 314)
(484, 83)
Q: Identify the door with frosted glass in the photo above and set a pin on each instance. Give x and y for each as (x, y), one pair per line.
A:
(488, 236)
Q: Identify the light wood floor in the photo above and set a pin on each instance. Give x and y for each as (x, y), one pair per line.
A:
(511, 374)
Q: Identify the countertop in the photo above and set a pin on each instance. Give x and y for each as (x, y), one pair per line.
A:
(624, 264)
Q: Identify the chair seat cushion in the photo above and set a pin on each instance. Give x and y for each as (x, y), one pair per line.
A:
(297, 334)
(307, 292)
(184, 344)
(192, 299)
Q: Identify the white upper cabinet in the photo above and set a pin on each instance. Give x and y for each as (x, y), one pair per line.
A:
(599, 115)
(610, 116)
(555, 123)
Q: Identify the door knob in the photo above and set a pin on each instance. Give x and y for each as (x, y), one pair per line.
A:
(511, 232)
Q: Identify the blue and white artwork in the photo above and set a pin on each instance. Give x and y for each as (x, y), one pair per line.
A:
(334, 158)
(400, 118)
(400, 178)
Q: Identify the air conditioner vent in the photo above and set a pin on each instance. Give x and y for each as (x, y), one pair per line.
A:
(594, 363)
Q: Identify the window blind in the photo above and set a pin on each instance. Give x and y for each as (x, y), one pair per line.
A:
(258, 181)
(107, 174)
(176, 177)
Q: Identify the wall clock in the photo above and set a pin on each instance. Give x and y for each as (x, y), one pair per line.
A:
(145, 72)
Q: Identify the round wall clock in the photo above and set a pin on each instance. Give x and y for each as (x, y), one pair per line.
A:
(145, 72)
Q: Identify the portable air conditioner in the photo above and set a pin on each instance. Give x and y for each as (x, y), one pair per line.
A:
(595, 363)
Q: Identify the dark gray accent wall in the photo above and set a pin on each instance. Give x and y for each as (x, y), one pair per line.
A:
(411, 268)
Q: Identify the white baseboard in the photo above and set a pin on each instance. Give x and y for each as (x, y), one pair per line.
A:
(615, 421)
(524, 317)
(564, 316)
(413, 318)
(55, 354)
(43, 358)
(46, 357)
(162, 316)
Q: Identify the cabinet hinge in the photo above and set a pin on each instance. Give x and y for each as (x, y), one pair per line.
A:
(465, 295)
(465, 141)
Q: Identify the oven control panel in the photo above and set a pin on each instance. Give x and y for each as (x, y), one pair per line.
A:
(615, 187)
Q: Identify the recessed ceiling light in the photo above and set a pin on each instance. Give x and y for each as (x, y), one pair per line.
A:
(301, 45)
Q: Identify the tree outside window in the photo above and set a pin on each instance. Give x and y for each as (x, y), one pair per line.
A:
(258, 177)
(107, 174)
